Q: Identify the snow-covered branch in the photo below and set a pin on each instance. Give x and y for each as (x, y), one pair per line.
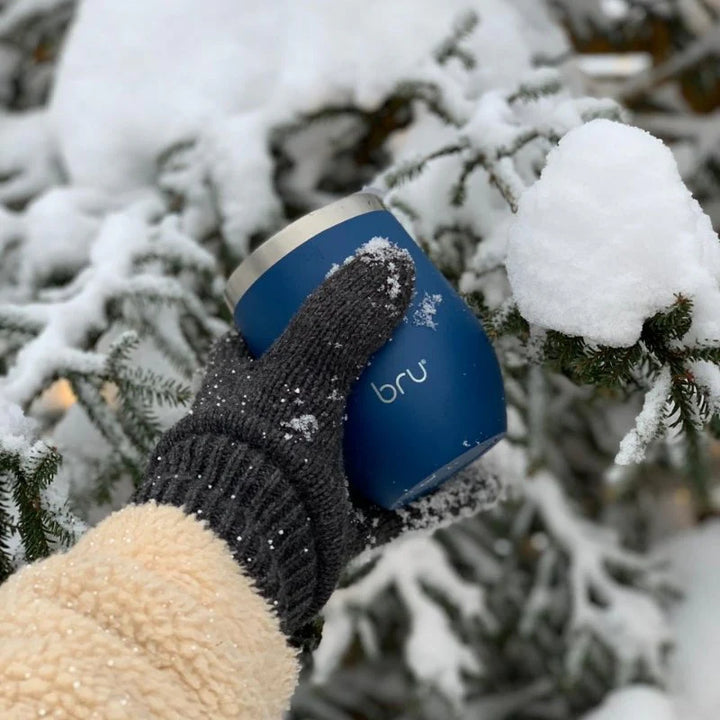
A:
(492, 135)
(35, 518)
(433, 651)
(120, 271)
(609, 589)
(648, 424)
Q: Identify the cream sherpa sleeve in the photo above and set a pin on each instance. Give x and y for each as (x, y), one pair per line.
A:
(148, 616)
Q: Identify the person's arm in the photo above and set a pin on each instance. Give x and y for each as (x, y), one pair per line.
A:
(179, 606)
(148, 616)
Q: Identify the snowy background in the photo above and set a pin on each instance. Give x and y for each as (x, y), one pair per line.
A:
(146, 147)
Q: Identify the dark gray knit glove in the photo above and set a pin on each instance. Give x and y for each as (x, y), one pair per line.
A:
(260, 454)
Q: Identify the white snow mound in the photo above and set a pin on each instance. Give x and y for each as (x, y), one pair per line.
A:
(608, 235)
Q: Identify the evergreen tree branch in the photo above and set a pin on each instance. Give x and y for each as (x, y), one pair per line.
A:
(464, 27)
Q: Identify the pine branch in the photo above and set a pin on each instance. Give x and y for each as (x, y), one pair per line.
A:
(498, 164)
(17, 319)
(708, 353)
(410, 169)
(396, 203)
(31, 476)
(603, 110)
(147, 386)
(544, 84)
(6, 525)
(671, 325)
(32, 479)
(431, 96)
(102, 475)
(139, 423)
(450, 48)
(89, 396)
(141, 384)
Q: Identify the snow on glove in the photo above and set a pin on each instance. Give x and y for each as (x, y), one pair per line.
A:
(473, 489)
(259, 457)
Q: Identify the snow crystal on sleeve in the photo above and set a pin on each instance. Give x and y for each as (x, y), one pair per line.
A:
(608, 236)
(306, 425)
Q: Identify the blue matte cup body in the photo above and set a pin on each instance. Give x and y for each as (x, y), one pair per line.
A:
(430, 401)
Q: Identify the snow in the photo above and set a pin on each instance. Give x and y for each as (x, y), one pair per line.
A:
(648, 423)
(692, 689)
(636, 702)
(627, 619)
(18, 437)
(434, 654)
(615, 9)
(182, 68)
(424, 316)
(492, 125)
(245, 70)
(608, 236)
(185, 97)
(27, 156)
(237, 163)
(305, 425)
(285, 57)
(65, 323)
(382, 250)
(695, 561)
(393, 284)
(379, 249)
(16, 430)
(59, 228)
(707, 376)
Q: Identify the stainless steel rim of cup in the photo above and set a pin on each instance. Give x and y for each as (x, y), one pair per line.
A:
(284, 242)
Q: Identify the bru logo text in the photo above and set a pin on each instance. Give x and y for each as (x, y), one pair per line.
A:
(390, 393)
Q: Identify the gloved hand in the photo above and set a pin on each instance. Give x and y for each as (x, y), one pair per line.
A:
(260, 454)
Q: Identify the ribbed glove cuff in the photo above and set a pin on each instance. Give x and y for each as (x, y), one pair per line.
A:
(250, 504)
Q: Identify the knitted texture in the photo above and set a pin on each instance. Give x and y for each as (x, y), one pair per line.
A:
(252, 506)
(259, 457)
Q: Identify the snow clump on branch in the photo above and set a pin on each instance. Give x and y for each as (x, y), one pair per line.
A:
(609, 236)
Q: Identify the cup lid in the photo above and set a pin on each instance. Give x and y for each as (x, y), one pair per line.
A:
(279, 245)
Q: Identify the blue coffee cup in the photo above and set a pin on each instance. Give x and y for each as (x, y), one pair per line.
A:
(431, 400)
